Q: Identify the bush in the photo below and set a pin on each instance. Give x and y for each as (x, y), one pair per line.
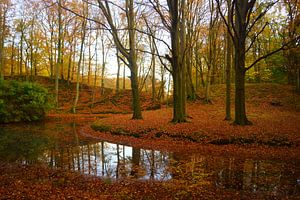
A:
(22, 101)
(101, 127)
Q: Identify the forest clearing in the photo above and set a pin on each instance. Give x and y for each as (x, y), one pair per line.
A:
(201, 148)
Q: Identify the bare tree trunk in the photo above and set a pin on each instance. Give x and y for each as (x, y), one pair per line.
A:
(124, 78)
(12, 57)
(51, 54)
(58, 52)
(137, 114)
(2, 37)
(90, 55)
(96, 69)
(298, 80)
(21, 54)
(177, 59)
(79, 64)
(153, 75)
(228, 68)
(118, 73)
(103, 66)
(130, 54)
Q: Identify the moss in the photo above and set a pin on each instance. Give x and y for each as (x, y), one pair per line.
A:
(101, 127)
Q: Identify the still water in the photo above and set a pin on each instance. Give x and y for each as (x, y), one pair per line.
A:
(62, 146)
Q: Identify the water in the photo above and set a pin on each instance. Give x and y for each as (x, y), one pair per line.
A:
(61, 146)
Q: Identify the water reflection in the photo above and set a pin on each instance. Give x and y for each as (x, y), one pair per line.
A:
(60, 146)
(110, 160)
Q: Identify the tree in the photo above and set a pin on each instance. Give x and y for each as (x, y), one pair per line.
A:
(212, 54)
(293, 31)
(228, 66)
(59, 51)
(242, 23)
(4, 7)
(129, 54)
(174, 21)
(83, 35)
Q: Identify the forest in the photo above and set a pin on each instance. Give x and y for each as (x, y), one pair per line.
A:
(149, 99)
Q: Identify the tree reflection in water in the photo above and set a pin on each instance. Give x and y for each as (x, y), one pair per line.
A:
(115, 161)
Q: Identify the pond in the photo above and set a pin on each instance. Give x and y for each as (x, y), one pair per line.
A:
(62, 146)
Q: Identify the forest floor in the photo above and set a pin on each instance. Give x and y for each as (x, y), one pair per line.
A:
(275, 134)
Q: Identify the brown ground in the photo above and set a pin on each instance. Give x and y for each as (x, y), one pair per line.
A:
(273, 109)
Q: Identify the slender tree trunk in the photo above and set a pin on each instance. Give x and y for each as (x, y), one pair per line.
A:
(21, 55)
(118, 73)
(79, 64)
(124, 78)
(228, 68)
(74, 56)
(2, 37)
(51, 55)
(103, 66)
(12, 57)
(130, 54)
(162, 85)
(69, 64)
(153, 73)
(96, 69)
(90, 56)
(298, 80)
(58, 52)
(82, 69)
(62, 76)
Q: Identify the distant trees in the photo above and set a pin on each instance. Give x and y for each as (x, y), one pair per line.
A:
(4, 7)
(240, 26)
(292, 32)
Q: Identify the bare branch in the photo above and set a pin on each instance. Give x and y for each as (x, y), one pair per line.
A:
(260, 16)
(283, 47)
(256, 36)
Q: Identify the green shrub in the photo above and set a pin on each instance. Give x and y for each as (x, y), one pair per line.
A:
(22, 101)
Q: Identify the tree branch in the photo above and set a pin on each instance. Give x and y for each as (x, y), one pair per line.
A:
(283, 47)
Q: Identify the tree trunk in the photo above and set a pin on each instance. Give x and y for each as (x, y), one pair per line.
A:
(12, 57)
(21, 55)
(118, 73)
(153, 74)
(90, 57)
(96, 69)
(79, 64)
(137, 114)
(228, 68)
(103, 66)
(51, 54)
(240, 108)
(58, 52)
(130, 54)
(2, 31)
(240, 70)
(124, 78)
(298, 80)
(177, 61)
